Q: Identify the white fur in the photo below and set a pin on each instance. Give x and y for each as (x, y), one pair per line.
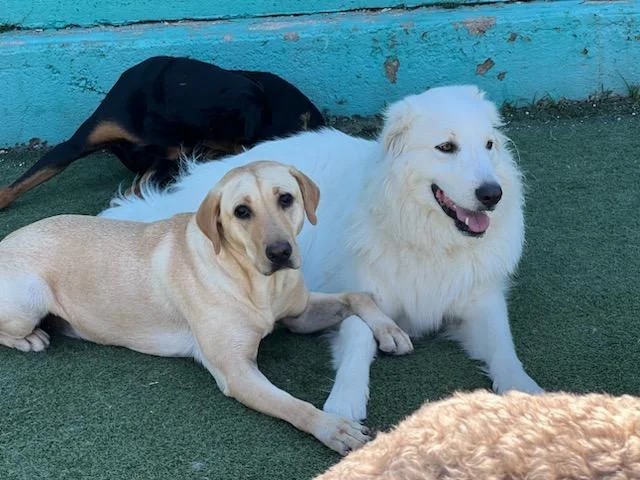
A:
(381, 230)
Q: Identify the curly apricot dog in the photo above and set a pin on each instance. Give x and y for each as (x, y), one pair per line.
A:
(483, 436)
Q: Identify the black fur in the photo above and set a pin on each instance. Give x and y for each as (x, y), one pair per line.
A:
(165, 104)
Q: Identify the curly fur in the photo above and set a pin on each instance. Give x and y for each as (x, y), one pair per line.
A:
(483, 436)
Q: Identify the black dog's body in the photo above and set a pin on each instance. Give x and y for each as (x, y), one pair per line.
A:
(165, 104)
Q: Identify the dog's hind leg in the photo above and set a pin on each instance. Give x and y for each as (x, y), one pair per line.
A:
(52, 163)
(91, 136)
(24, 301)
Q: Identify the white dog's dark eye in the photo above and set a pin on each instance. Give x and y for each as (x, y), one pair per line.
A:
(447, 147)
(489, 144)
(243, 212)
(285, 200)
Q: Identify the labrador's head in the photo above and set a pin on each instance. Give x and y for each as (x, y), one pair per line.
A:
(258, 210)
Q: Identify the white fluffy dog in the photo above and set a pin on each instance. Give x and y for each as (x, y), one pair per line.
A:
(428, 219)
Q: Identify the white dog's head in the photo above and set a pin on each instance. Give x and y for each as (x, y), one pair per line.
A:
(446, 147)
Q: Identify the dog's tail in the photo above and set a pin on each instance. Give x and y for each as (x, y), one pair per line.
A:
(153, 202)
(354, 349)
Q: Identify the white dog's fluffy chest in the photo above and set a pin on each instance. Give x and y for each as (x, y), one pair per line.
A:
(421, 288)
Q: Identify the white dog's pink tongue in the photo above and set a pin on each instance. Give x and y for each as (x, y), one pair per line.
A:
(476, 222)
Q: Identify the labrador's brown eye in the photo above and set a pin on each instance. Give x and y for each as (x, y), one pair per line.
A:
(447, 147)
(242, 212)
(489, 144)
(285, 200)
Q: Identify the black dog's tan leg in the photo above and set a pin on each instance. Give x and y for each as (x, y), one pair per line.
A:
(232, 361)
(91, 136)
(326, 310)
(52, 163)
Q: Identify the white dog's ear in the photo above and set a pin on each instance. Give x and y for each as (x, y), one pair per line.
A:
(399, 118)
(310, 194)
(208, 218)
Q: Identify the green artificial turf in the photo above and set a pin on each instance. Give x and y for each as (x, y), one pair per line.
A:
(80, 410)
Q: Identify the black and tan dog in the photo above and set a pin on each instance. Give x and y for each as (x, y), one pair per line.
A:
(165, 105)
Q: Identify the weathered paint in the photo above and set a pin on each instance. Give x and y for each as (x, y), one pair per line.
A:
(348, 63)
(86, 13)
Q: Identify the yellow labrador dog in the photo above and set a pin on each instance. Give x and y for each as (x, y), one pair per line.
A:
(209, 285)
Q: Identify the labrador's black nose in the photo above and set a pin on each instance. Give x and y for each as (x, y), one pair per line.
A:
(489, 194)
(279, 252)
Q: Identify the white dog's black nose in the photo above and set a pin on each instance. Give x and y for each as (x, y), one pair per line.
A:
(489, 194)
(279, 252)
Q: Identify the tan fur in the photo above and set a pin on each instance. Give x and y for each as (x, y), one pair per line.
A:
(310, 194)
(174, 153)
(207, 218)
(194, 285)
(483, 436)
(9, 194)
(107, 131)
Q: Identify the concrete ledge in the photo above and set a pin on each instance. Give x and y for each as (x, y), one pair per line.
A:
(348, 63)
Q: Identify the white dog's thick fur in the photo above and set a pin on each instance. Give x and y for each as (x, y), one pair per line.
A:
(381, 228)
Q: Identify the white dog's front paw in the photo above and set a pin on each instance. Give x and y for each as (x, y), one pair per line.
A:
(349, 402)
(341, 434)
(392, 339)
(519, 381)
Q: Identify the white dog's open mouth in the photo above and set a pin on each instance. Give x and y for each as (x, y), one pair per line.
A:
(473, 223)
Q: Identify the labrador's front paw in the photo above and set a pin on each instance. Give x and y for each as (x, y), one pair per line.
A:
(392, 339)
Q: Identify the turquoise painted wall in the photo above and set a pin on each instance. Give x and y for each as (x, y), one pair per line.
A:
(349, 61)
(60, 14)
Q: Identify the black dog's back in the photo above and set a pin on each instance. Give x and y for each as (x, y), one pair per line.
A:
(175, 101)
(291, 110)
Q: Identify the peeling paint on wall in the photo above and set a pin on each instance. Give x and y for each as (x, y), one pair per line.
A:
(292, 36)
(485, 66)
(501, 75)
(391, 66)
(407, 26)
(479, 25)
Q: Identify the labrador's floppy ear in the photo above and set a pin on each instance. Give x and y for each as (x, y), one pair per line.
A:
(310, 194)
(207, 219)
